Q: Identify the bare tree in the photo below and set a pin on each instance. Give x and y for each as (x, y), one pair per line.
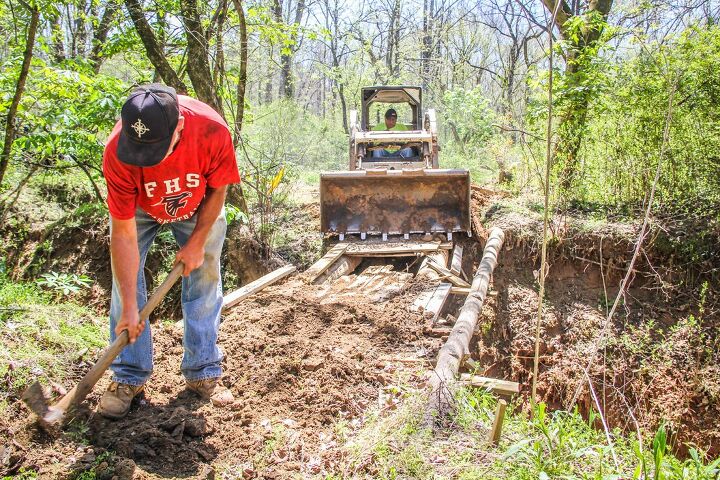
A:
(287, 85)
(198, 65)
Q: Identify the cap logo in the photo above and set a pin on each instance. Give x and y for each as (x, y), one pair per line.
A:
(139, 128)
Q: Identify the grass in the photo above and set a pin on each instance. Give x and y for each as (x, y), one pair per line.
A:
(42, 336)
(548, 446)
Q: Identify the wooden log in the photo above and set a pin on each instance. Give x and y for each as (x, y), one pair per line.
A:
(319, 267)
(345, 265)
(432, 277)
(459, 290)
(403, 248)
(436, 303)
(440, 257)
(494, 435)
(458, 342)
(255, 286)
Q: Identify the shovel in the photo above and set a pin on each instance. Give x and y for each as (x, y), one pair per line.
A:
(49, 415)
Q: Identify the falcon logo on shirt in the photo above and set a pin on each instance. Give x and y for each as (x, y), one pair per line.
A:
(173, 203)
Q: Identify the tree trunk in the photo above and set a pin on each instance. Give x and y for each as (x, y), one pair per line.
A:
(100, 36)
(152, 47)
(198, 66)
(10, 130)
(572, 124)
(80, 41)
(219, 65)
(57, 45)
(287, 85)
(242, 75)
(428, 6)
(393, 38)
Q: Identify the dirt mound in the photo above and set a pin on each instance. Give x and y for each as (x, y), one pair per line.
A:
(294, 367)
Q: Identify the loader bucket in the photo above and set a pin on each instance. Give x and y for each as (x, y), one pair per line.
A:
(395, 201)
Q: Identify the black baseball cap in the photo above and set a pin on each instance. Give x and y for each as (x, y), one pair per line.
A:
(391, 113)
(149, 117)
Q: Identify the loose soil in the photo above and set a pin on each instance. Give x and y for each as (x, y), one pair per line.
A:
(294, 366)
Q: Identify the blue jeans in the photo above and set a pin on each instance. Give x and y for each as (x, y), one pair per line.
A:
(404, 152)
(201, 304)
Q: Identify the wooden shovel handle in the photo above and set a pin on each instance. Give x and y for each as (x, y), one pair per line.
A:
(86, 384)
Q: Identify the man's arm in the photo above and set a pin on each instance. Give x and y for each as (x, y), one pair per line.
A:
(192, 254)
(125, 259)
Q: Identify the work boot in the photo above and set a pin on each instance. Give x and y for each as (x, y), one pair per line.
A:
(115, 402)
(210, 389)
(204, 387)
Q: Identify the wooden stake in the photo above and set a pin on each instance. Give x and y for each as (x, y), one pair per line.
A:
(494, 436)
(451, 277)
(456, 262)
(344, 266)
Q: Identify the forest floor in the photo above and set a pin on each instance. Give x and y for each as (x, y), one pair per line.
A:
(334, 388)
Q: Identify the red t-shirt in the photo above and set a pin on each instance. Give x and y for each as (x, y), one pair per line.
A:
(173, 189)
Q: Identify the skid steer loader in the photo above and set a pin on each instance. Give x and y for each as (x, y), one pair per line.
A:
(393, 185)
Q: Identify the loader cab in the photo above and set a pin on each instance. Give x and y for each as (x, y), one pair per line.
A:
(394, 195)
(375, 148)
(405, 99)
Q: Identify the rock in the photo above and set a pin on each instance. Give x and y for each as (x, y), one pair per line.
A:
(178, 415)
(207, 472)
(222, 397)
(205, 454)
(124, 469)
(248, 472)
(178, 430)
(312, 364)
(196, 427)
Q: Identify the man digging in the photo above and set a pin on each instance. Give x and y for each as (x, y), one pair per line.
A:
(168, 160)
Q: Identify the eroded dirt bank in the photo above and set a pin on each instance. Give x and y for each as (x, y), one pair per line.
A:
(660, 360)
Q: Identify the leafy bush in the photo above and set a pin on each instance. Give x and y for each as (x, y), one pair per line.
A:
(65, 116)
(65, 283)
(627, 119)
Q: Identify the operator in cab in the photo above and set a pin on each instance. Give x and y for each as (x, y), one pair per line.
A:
(391, 124)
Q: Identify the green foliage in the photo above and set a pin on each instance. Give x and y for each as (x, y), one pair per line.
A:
(41, 338)
(23, 474)
(469, 139)
(65, 283)
(65, 115)
(281, 142)
(468, 115)
(234, 214)
(627, 121)
(550, 445)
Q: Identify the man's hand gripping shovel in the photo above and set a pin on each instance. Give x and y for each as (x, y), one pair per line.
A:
(49, 415)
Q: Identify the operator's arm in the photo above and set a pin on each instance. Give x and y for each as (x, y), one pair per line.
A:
(192, 254)
(125, 263)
